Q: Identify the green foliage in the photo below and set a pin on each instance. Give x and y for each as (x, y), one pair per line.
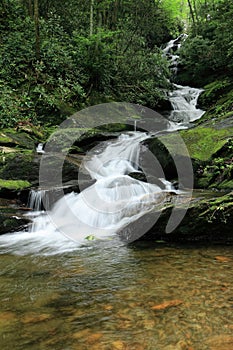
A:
(71, 68)
(217, 99)
(208, 52)
(196, 57)
(214, 91)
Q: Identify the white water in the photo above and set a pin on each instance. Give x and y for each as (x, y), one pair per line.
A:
(184, 101)
(113, 201)
(39, 148)
(35, 200)
(183, 98)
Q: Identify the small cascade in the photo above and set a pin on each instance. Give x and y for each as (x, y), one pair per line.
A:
(183, 98)
(35, 200)
(171, 52)
(184, 103)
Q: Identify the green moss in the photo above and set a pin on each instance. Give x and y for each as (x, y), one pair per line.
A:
(14, 184)
(17, 138)
(202, 142)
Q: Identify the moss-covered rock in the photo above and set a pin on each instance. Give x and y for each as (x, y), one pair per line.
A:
(218, 171)
(208, 219)
(210, 148)
(14, 184)
(19, 139)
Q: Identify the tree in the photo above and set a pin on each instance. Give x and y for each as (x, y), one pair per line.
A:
(37, 29)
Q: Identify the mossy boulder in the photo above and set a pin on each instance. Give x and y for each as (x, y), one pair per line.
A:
(218, 171)
(12, 188)
(208, 219)
(209, 147)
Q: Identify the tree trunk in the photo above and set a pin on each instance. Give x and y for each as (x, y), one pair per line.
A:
(92, 17)
(37, 28)
(30, 9)
(192, 13)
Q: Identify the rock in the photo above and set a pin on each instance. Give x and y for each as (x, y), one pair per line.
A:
(93, 338)
(20, 166)
(119, 345)
(209, 218)
(81, 334)
(138, 176)
(166, 305)
(7, 317)
(12, 220)
(162, 155)
(9, 185)
(35, 318)
(223, 259)
(13, 138)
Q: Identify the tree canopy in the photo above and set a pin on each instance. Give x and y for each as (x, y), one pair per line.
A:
(60, 56)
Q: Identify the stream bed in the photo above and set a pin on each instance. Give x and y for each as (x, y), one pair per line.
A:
(110, 297)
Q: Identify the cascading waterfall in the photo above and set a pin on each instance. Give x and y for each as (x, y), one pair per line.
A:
(184, 101)
(113, 201)
(117, 199)
(183, 98)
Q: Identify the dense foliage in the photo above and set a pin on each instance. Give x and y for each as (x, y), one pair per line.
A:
(207, 54)
(59, 56)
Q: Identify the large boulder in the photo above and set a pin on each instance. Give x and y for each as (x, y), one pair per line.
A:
(209, 147)
(208, 219)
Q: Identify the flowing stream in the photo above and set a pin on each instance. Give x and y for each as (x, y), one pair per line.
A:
(63, 294)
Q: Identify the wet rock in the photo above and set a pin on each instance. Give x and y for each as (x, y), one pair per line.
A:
(119, 345)
(81, 334)
(7, 317)
(166, 305)
(35, 318)
(223, 259)
(165, 166)
(13, 138)
(93, 338)
(11, 220)
(208, 219)
(21, 166)
(11, 216)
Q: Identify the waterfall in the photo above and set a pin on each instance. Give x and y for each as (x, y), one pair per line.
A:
(183, 98)
(184, 101)
(116, 199)
(35, 200)
(113, 201)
